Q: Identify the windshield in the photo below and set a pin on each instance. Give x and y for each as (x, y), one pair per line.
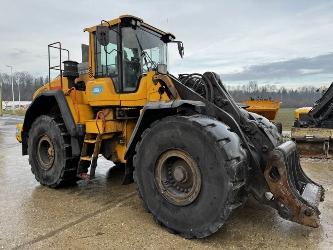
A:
(144, 46)
(143, 50)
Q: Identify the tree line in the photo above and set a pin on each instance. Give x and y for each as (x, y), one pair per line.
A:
(24, 84)
(289, 98)
(27, 84)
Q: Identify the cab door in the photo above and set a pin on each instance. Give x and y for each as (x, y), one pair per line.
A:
(103, 89)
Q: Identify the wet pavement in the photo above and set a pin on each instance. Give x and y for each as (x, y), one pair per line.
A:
(105, 214)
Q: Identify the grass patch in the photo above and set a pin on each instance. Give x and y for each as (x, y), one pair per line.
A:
(286, 116)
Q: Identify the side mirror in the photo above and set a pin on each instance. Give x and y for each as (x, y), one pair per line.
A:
(102, 35)
(180, 48)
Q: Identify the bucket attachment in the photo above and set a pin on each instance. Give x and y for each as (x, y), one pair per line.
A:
(296, 196)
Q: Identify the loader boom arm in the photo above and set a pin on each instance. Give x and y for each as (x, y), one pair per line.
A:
(323, 110)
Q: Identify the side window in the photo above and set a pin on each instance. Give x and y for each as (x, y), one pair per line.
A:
(132, 68)
(107, 59)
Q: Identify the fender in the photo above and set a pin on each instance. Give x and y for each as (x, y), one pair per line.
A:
(153, 111)
(50, 102)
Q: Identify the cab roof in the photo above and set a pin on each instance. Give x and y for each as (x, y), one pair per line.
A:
(127, 17)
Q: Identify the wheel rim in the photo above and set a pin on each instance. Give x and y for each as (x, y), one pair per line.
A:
(45, 152)
(177, 177)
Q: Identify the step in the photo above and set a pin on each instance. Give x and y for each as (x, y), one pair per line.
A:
(85, 158)
(90, 141)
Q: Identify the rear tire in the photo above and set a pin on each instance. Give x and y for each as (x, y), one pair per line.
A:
(50, 152)
(190, 147)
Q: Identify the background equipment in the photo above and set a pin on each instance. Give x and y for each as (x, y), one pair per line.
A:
(264, 107)
(313, 127)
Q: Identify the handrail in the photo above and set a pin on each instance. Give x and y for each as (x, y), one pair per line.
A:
(56, 67)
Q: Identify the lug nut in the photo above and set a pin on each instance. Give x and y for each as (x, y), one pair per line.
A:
(269, 196)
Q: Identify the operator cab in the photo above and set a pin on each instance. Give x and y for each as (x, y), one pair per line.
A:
(125, 49)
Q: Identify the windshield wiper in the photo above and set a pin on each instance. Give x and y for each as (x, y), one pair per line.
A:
(145, 54)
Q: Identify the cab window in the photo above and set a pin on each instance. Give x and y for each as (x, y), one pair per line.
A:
(142, 51)
(132, 68)
(107, 59)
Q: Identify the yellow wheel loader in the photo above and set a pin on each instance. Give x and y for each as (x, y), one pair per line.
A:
(193, 153)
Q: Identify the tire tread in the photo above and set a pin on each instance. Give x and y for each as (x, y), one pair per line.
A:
(68, 172)
(236, 168)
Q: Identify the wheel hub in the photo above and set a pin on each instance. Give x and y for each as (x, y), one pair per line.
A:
(45, 152)
(177, 177)
(180, 174)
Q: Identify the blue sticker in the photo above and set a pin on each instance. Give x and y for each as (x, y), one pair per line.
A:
(97, 90)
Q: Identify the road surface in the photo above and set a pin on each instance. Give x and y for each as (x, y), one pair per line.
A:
(105, 214)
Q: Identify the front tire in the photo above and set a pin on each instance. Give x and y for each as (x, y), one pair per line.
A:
(50, 153)
(191, 173)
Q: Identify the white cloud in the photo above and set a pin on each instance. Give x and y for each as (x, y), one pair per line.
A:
(221, 36)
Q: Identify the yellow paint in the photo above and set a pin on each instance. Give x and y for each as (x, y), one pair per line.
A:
(107, 96)
(266, 108)
(100, 127)
(303, 110)
(18, 133)
(85, 113)
(86, 105)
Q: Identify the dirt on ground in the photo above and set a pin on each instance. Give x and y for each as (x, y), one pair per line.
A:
(104, 214)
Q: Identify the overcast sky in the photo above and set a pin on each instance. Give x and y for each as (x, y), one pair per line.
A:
(277, 42)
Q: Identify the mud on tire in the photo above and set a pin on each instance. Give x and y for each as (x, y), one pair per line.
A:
(220, 159)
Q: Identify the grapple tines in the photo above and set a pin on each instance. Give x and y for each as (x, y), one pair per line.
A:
(296, 196)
